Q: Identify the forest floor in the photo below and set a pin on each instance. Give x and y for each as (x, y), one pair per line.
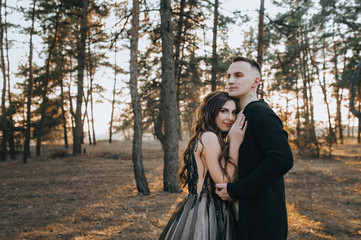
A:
(94, 196)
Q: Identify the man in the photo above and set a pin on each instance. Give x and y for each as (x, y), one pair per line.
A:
(264, 158)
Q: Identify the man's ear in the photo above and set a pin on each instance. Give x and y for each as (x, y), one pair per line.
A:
(256, 82)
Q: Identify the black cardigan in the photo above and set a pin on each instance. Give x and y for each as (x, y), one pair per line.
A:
(264, 157)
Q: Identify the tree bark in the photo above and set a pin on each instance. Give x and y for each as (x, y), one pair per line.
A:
(89, 134)
(92, 108)
(312, 127)
(114, 89)
(348, 124)
(66, 144)
(178, 41)
(168, 103)
(78, 129)
(86, 99)
(45, 85)
(353, 92)
(261, 45)
(30, 89)
(331, 135)
(4, 126)
(359, 120)
(142, 185)
(11, 122)
(307, 89)
(298, 124)
(91, 76)
(352, 99)
(214, 69)
(71, 108)
(338, 93)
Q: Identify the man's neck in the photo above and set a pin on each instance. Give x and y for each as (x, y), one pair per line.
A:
(245, 100)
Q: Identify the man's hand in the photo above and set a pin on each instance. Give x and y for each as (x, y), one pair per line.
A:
(221, 190)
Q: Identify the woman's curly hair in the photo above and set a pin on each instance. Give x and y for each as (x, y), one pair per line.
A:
(205, 121)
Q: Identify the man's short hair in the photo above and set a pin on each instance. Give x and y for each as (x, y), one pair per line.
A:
(252, 62)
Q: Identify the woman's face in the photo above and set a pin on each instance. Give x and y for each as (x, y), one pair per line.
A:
(226, 116)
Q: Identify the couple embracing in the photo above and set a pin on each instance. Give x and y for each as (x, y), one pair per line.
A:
(234, 165)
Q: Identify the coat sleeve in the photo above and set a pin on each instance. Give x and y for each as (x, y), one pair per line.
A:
(271, 140)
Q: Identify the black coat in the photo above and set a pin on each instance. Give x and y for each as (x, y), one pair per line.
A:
(264, 157)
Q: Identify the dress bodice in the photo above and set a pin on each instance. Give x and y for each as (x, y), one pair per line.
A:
(208, 187)
(200, 216)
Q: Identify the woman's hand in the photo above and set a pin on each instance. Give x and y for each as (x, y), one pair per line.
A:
(237, 132)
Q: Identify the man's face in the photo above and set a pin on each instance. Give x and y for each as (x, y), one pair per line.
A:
(242, 79)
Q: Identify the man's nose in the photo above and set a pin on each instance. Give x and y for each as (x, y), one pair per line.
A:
(230, 79)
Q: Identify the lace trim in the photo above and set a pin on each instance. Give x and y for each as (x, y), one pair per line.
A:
(208, 187)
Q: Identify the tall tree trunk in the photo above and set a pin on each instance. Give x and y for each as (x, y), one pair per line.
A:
(306, 110)
(11, 122)
(89, 134)
(338, 93)
(78, 129)
(86, 118)
(168, 103)
(287, 113)
(66, 144)
(45, 85)
(352, 99)
(312, 126)
(4, 126)
(62, 99)
(298, 125)
(309, 85)
(91, 76)
(310, 123)
(72, 113)
(261, 45)
(30, 89)
(339, 97)
(114, 91)
(214, 69)
(86, 100)
(140, 179)
(348, 124)
(178, 41)
(359, 122)
(70, 98)
(92, 108)
(331, 135)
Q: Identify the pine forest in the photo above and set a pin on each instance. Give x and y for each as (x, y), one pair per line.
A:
(99, 97)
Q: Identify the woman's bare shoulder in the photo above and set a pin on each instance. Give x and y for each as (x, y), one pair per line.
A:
(209, 139)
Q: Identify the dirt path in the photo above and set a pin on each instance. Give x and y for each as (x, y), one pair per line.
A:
(94, 197)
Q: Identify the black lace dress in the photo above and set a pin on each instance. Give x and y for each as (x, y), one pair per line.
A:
(201, 216)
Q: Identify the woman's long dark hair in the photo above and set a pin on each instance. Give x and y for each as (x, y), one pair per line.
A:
(205, 121)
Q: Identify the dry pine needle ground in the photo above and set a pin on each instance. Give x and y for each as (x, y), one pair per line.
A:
(94, 196)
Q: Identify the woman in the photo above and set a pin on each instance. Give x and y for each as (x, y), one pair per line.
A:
(209, 159)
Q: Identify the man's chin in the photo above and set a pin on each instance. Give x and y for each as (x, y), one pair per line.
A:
(233, 94)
